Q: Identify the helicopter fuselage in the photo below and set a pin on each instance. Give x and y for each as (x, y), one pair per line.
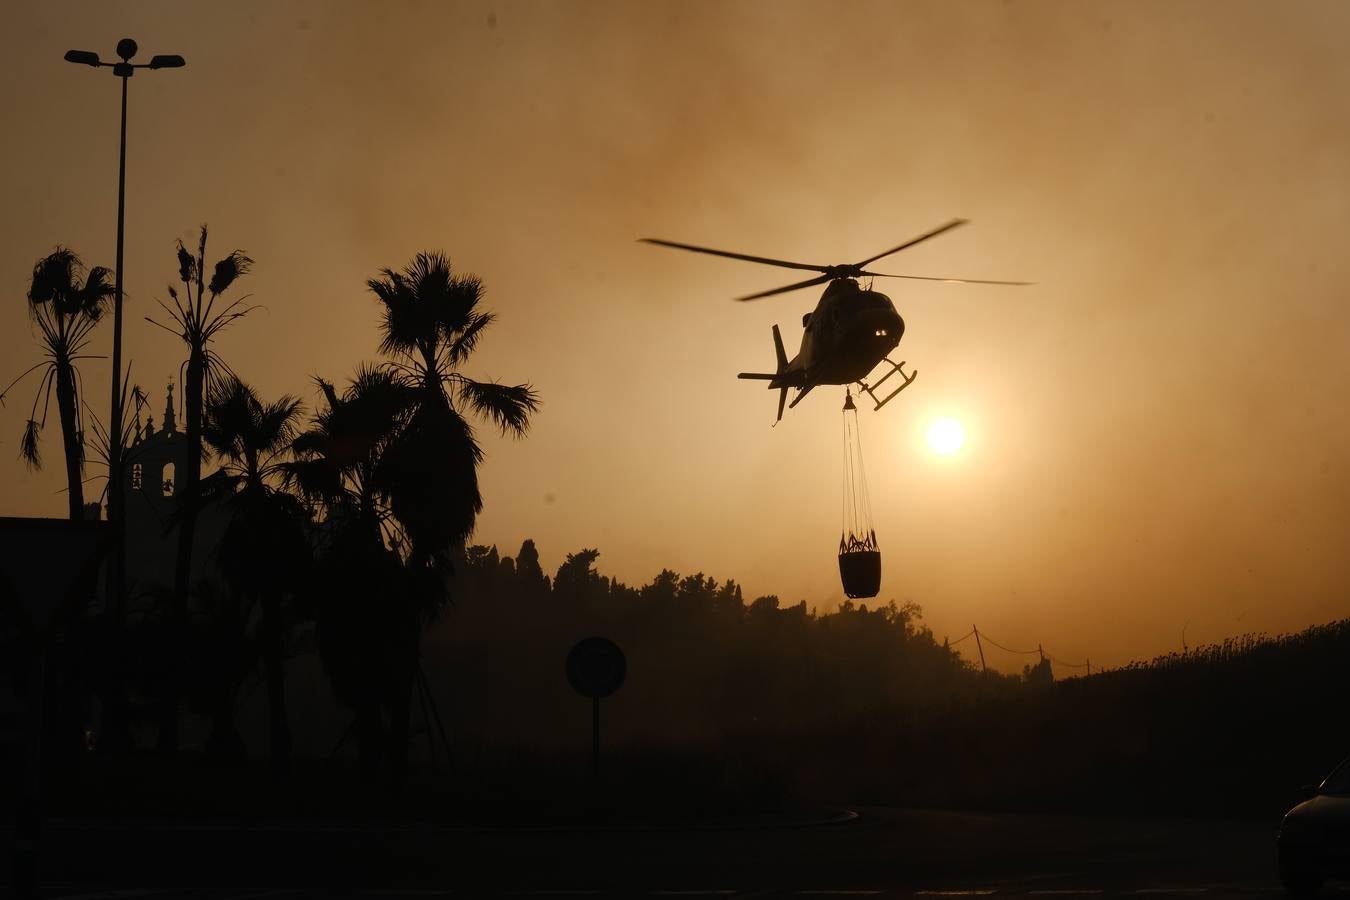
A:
(850, 331)
(843, 339)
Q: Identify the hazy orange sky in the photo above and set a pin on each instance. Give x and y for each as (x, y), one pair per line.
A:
(1156, 434)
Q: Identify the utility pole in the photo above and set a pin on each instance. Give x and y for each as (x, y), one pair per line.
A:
(126, 49)
(980, 647)
(115, 730)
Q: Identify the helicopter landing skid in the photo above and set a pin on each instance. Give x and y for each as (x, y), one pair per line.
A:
(895, 368)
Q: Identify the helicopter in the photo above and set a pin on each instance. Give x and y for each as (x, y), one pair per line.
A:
(849, 333)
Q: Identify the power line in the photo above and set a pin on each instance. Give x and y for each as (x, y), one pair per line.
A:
(976, 633)
(1008, 649)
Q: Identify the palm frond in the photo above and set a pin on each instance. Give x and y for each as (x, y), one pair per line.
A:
(53, 276)
(508, 406)
(447, 298)
(329, 392)
(228, 270)
(227, 417)
(429, 273)
(43, 397)
(26, 372)
(59, 302)
(425, 305)
(218, 485)
(357, 423)
(187, 266)
(464, 343)
(458, 308)
(77, 336)
(97, 293)
(199, 267)
(377, 401)
(207, 325)
(28, 446)
(177, 334)
(216, 372)
(246, 431)
(102, 448)
(277, 423)
(309, 443)
(402, 324)
(313, 478)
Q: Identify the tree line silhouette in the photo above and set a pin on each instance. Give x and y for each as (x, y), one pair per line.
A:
(867, 703)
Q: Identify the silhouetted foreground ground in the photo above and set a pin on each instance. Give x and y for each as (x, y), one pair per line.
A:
(640, 787)
(892, 852)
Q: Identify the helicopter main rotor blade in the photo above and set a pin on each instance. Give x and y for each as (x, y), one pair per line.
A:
(948, 280)
(783, 290)
(923, 237)
(756, 259)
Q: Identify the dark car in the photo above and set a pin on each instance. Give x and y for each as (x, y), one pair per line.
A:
(1314, 838)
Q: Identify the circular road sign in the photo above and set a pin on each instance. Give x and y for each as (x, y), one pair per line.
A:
(595, 667)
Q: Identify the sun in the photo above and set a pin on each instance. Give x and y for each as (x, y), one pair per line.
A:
(945, 436)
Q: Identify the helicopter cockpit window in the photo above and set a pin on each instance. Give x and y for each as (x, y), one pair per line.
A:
(806, 320)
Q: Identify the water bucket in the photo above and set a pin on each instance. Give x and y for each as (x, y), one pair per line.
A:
(860, 571)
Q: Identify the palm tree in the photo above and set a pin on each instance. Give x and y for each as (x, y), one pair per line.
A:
(432, 324)
(393, 462)
(339, 467)
(65, 312)
(197, 321)
(264, 551)
(339, 460)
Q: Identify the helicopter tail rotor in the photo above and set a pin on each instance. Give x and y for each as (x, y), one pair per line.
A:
(781, 379)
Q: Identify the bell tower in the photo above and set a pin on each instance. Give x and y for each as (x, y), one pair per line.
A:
(155, 468)
(156, 463)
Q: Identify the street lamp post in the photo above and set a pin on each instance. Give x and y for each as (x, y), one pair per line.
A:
(126, 49)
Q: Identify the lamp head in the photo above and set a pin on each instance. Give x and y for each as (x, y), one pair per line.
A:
(83, 57)
(167, 61)
(126, 48)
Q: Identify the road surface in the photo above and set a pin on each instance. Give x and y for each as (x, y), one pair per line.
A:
(873, 853)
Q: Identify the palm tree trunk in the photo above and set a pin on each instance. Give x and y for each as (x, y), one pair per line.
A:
(275, 664)
(402, 679)
(369, 737)
(400, 723)
(226, 664)
(65, 404)
(225, 742)
(192, 474)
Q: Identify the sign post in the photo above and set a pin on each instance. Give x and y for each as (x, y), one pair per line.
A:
(596, 668)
